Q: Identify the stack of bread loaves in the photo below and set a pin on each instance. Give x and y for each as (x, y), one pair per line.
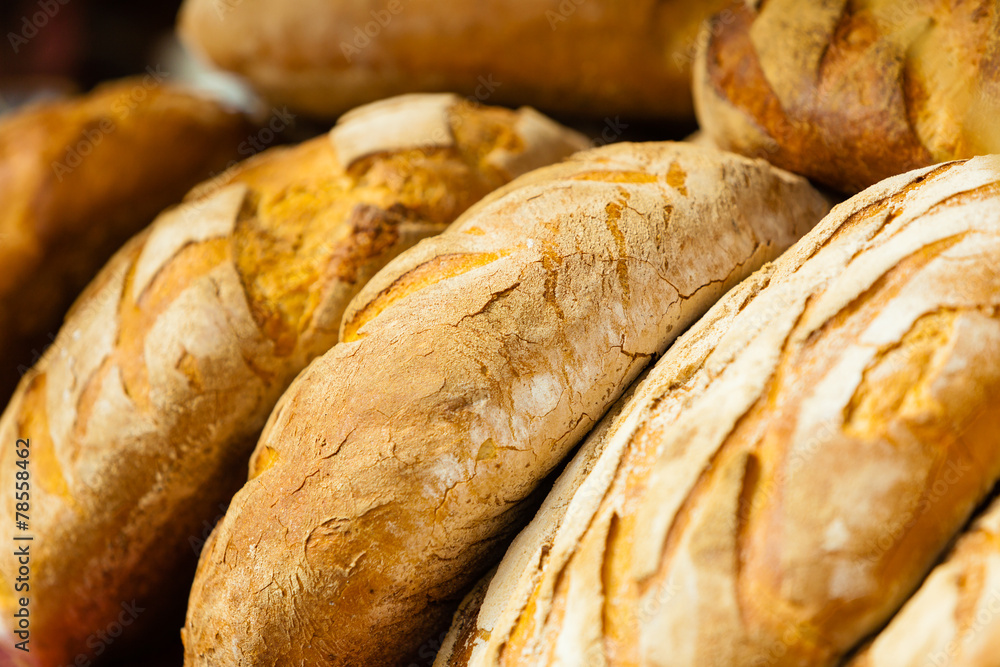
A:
(142, 414)
(454, 366)
(395, 465)
(792, 468)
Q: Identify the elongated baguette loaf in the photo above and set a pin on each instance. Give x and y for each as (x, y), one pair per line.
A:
(142, 416)
(590, 57)
(395, 465)
(792, 468)
(851, 93)
(79, 177)
(954, 619)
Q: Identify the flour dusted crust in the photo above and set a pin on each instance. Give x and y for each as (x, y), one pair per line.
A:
(851, 93)
(399, 123)
(396, 464)
(593, 57)
(791, 469)
(144, 411)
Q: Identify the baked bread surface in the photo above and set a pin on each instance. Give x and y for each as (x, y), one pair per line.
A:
(792, 468)
(78, 177)
(143, 413)
(850, 93)
(593, 58)
(396, 465)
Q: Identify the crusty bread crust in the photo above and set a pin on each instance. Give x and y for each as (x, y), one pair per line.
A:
(396, 464)
(143, 413)
(851, 93)
(792, 468)
(593, 57)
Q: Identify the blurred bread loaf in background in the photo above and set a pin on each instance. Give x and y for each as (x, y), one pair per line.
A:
(581, 57)
(80, 176)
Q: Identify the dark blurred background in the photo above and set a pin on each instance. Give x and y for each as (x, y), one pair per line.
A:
(74, 44)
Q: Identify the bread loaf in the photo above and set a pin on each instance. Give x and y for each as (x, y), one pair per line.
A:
(79, 177)
(589, 57)
(142, 415)
(954, 619)
(793, 466)
(851, 93)
(396, 465)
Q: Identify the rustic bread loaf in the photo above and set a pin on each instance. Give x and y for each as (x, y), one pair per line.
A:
(78, 177)
(851, 93)
(786, 475)
(143, 414)
(954, 619)
(590, 57)
(396, 465)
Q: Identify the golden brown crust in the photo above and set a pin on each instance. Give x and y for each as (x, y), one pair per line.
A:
(78, 178)
(851, 93)
(397, 463)
(144, 411)
(793, 466)
(598, 57)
